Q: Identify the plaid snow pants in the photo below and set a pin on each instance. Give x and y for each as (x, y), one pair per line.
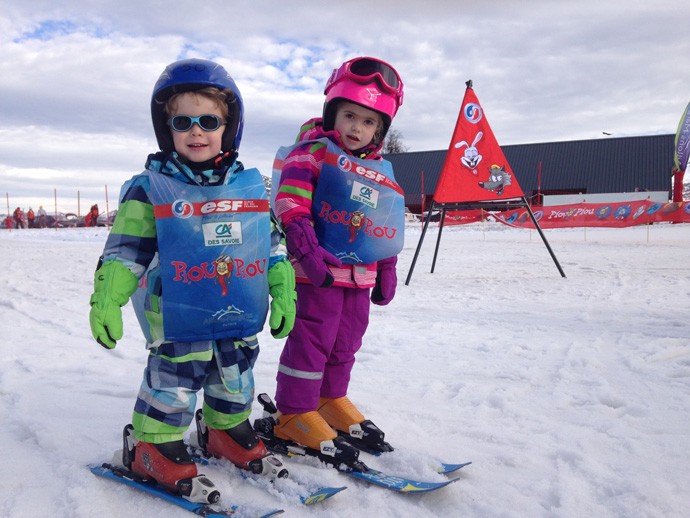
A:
(176, 371)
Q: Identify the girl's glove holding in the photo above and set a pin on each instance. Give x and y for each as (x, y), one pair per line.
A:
(281, 286)
(386, 281)
(113, 284)
(302, 244)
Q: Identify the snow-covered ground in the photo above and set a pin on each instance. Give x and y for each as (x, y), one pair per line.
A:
(570, 395)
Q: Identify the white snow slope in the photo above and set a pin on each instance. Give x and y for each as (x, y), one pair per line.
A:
(570, 396)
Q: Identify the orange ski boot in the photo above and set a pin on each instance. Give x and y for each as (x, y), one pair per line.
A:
(310, 430)
(307, 432)
(341, 414)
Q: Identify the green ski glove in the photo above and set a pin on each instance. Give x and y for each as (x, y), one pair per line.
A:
(281, 286)
(113, 285)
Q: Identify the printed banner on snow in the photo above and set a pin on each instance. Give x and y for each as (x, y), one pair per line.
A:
(475, 168)
(624, 214)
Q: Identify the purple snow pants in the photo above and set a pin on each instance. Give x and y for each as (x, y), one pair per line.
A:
(320, 351)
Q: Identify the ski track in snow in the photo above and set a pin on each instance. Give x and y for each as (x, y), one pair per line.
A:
(570, 396)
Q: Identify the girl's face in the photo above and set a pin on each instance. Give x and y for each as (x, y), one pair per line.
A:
(356, 124)
(195, 144)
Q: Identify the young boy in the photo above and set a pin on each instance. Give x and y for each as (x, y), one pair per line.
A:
(344, 218)
(193, 246)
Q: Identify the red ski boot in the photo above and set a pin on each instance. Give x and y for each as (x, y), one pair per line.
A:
(241, 446)
(170, 465)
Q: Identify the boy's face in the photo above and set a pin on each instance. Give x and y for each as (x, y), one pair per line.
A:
(195, 144)
(356, 124)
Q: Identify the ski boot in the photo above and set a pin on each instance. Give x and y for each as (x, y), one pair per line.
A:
(310, 433)
(241, 446)
(341, 414)
(169, 465)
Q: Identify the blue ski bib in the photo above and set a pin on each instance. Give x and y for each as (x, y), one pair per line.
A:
(358, 209)
(213, 246)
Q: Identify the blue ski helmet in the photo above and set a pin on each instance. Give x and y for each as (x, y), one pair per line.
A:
(188, 75)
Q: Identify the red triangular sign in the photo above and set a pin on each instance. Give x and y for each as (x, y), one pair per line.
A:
(475, 168)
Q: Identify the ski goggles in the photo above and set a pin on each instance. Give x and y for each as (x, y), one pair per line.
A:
(206, 122)
(365, 70)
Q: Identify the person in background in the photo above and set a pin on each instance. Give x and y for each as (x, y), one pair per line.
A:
(194, 247)
(41, 213)
(340, 264)
(18, 216)
(91, 219)
(30, 216)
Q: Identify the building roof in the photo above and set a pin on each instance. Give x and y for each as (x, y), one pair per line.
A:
(621, 164)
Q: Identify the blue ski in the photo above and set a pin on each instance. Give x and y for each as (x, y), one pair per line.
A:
(396, 483)
(355, 468)
(321, 494)
(446, 469)
(406, 485)
(443, 468)
(124, 476)
(309, 496)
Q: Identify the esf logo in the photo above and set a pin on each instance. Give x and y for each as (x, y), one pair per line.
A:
(182, 209)
(221, 206)
(370, 174)
(473, 113)
(344, 163)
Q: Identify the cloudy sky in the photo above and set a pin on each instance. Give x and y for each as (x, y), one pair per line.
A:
(76, 80)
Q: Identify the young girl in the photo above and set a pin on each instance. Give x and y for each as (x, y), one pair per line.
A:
(343, 216)
(192, 243)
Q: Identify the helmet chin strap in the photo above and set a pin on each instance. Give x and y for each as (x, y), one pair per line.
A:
(220, 158)
(227, 158)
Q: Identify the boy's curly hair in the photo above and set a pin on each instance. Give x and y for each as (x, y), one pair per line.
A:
(212, 93)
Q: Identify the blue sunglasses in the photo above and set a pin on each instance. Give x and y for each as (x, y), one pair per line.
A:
(206, 122)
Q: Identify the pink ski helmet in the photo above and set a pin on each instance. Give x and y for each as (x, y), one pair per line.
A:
(369, 82)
